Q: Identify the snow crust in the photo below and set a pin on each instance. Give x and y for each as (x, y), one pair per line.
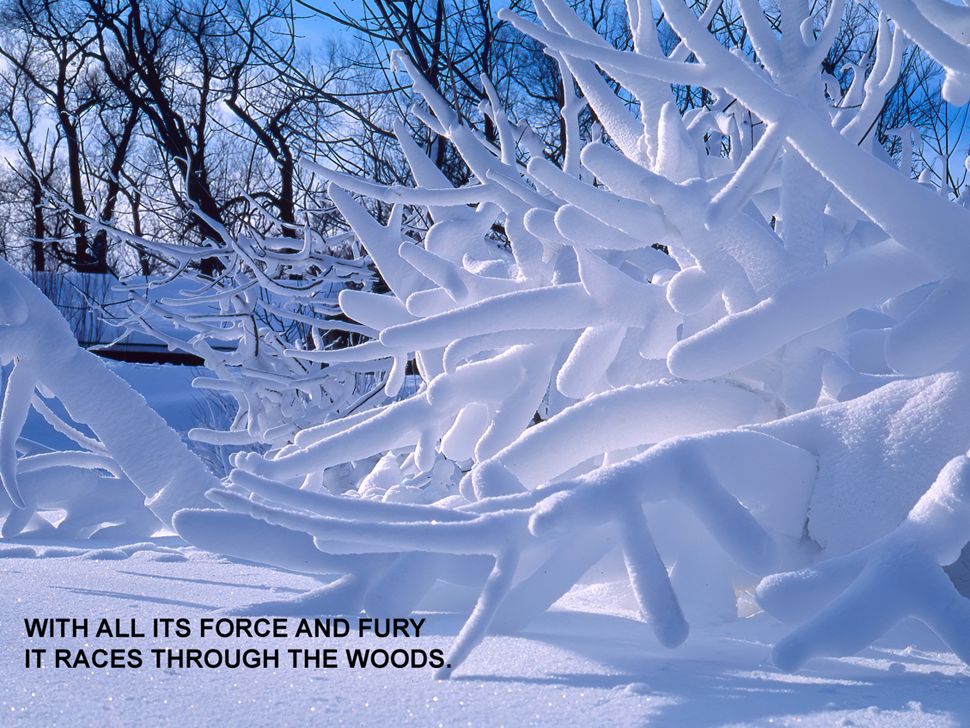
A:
(588, 659)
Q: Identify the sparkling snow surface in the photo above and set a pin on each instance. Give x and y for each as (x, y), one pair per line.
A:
(572, 667)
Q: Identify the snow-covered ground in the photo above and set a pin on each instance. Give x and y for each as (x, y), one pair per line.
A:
(588, 662)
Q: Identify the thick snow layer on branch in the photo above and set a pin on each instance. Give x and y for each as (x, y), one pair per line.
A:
(862, 594)
(625, 418)
(872, 275)
(905, 431)
(145, 449)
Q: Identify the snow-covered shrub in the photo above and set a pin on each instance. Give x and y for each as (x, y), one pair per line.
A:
(586, 384)
(129, 473)
(271, 294)
(730, 342)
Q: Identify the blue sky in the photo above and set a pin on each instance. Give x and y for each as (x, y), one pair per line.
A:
(316, 28)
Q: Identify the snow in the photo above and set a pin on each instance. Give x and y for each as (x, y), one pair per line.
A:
(712, 363)
(48, 360)
(852, 441)
(875, 274)
(580, 662)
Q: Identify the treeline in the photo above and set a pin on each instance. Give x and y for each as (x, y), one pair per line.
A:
(167, 118)
(185, 120)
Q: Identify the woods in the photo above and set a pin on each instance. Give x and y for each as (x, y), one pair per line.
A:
(174, 120)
